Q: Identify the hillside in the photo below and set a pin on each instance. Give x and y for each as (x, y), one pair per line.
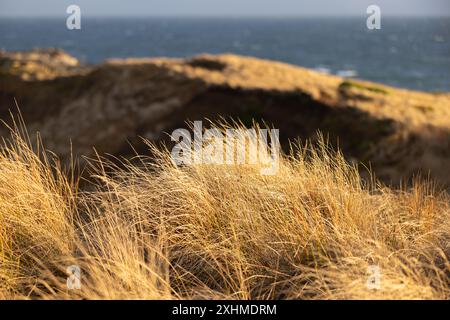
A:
(150, 229)
(397, 132)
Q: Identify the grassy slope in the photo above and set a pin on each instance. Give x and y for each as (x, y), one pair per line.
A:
(157, 231)
(399, 133)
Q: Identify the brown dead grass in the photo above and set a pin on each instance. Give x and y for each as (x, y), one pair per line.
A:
(157, 231)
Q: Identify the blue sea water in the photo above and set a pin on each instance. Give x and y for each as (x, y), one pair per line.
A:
(407, 52)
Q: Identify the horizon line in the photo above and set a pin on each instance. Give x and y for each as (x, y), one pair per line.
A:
(228, 16)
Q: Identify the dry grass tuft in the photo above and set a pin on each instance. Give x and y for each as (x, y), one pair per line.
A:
(153, 230)
(37, 207)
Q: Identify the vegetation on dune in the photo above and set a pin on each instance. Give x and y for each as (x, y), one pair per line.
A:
(352, 84)
(399, 133)
(153, 230)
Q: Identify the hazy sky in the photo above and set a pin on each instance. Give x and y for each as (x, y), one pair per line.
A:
(223, 7)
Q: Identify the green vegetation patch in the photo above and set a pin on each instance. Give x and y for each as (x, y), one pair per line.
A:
(351, 84)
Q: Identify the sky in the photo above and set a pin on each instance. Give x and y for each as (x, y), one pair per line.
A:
(55, 8)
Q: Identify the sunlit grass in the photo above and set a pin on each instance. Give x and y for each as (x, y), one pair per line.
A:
(152, 230)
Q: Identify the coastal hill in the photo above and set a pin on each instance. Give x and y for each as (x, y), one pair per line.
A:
(398, 133)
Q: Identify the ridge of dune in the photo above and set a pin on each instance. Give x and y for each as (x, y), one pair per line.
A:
(398, 132)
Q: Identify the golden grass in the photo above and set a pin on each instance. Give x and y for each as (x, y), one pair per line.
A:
(152, 230)
(36, 214)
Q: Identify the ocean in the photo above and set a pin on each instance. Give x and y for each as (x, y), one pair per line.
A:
(410, 53)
